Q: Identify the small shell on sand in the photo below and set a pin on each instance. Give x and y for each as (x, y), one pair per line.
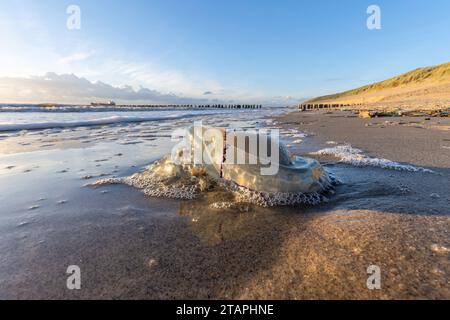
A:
(439, 249)
(152, 263)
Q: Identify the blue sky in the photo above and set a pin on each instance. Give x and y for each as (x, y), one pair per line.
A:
(241, 50)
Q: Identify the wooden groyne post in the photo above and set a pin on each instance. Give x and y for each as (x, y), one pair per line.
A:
(200, 106)
(328, 106)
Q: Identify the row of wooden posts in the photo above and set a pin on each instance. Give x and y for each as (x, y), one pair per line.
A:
(318, 106)
(208, 106)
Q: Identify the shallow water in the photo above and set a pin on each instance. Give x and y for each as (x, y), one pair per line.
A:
(54, 163)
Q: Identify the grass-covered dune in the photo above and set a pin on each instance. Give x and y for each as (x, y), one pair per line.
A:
(425, 88)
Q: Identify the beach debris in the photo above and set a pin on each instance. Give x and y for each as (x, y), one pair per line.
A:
(365, 114)
(427, 114)
(298, 180)
(152, 263)
(439, 249)
(356, 157)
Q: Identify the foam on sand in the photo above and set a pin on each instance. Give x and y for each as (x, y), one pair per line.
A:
(296, 181)
(168, 180)
(355, 157)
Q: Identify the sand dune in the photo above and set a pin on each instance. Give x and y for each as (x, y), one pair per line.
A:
(423, 88)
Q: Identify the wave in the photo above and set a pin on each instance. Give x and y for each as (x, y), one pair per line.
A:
(5, 127)
(80, 108)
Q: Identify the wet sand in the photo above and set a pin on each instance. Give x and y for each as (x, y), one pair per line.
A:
(420, 141)
(129, 246)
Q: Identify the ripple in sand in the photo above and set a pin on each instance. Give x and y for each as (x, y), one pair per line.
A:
(89, 177)
(130, 142)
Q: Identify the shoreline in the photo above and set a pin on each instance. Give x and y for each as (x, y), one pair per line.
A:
(416, 140)
(130, 246)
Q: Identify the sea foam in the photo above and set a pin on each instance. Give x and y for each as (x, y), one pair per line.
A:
(165, 179)
(7, 126)
(356, 157)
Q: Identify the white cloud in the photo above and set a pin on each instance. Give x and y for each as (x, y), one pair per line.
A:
(75, 57)
(71, 89)
(68, 88)
(157, 77)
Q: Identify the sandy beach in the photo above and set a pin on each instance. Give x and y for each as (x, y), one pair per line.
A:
(130, 246)
(222, 158)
